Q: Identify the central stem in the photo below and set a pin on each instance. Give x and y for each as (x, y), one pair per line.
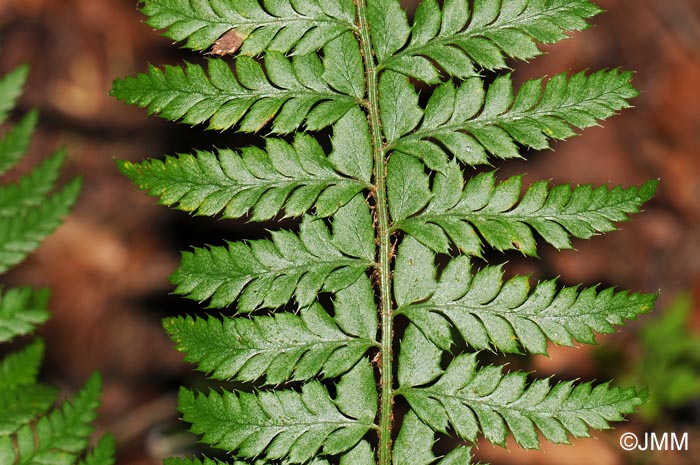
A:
(383, 239)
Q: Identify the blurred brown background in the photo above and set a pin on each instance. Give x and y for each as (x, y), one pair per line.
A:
(108, 265)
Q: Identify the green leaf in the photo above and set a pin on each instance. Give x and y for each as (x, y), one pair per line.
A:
(296, 177)
(355, 309)
(414, 278)
(668, 358)
(21, 310)
(508, 315)
(21, 405)
(285, 91)
(21, 368)
(419, 359)
(387, 192)
(31, 190)
(30, 432)
(352, 229)
(469, 121)
(279, 348)
(455, 41)
(344, 70)
(21, 398)
(482, 210)
(102, 454)
(280, 424)
(357, 394)
(203, 461)
(284, 26)
(398, 103)
(361, 454)
(11, 85)
(408, 186)
(15, 142)
(352, 149)
(415, 442)
(22, 234)
(486, 399)
(267, 273)
(209, 461)
(58, 438)
(28, 210)
(461, 455)
(389, 27)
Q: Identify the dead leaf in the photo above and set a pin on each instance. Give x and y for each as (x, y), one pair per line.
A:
(228, 43)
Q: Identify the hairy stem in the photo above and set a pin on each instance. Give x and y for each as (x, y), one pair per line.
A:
(383, 239)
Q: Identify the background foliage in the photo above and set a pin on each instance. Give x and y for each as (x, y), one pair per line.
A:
(33, 429)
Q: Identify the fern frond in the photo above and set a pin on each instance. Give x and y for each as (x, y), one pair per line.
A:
(284, 26)
(201, 461)
(487, 400)
(414, 445)
(198, 461)
(20, 368)
(388, 27)
(296, 177)
(11, 86)
(20, 406)
(102, 453)
(28, 213)
(399, 105)
(268, 273)
(21, 311)
(282, 347)
(480, 210)
(290, 92)
(361, 454)
(488, 312)
(30, 432)
(457, 41)
(15, 142)
(58, 438)
(469, 122)
(21, 398)
(22, 234)
(31, 190)
(375, 211)
(286, 424)
(344, 70)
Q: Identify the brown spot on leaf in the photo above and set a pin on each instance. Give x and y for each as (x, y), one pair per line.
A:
(228, 43)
